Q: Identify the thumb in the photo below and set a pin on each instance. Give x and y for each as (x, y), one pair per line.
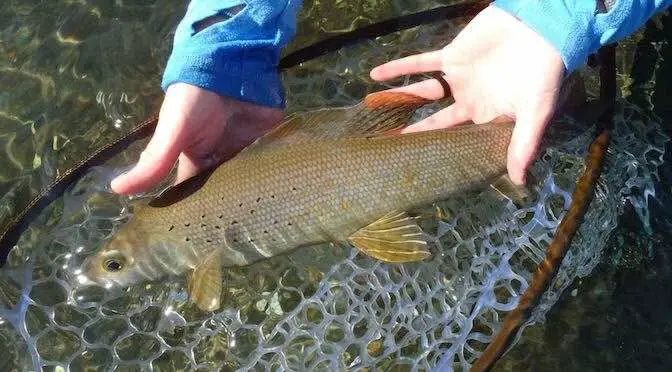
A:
(525, 141)
(155, 162)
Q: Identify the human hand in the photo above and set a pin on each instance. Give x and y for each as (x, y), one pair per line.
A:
(201, 129)
(496, 67)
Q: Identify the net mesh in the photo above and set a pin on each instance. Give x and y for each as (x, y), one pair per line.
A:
(325, 307)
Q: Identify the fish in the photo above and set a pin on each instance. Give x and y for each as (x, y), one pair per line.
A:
(334, 175)
(15, 223)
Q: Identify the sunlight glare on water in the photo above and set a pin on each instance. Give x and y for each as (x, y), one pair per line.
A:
(74, 75)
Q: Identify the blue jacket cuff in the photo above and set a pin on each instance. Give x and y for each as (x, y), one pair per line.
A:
(232, 47)
(569, 28)
(250, 76)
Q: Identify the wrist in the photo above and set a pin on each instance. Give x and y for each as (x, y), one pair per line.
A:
(249, 76)
(568, 28)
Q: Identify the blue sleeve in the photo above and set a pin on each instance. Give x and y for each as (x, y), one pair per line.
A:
(236, 56)
(576, 29)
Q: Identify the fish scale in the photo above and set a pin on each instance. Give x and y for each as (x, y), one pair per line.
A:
(330, 175)
(326, 190)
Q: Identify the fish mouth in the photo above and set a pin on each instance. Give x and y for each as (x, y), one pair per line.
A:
(85, 280)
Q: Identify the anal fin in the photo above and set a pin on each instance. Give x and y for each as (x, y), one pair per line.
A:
(395, 237)
(506, 188)
(205, 283)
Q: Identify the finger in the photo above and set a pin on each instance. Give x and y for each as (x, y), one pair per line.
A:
(155, 162)
(425, 62)
(525, 142)
(448, 117)
(188, 167)
(429, 89)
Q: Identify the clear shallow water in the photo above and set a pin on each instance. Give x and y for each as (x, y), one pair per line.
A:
(75, 75)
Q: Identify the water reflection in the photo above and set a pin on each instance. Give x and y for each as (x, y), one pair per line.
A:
(74, 75)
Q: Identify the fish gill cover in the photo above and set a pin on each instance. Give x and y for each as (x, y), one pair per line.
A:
(89, 71)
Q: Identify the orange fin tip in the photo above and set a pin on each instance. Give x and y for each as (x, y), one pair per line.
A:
(386, 99)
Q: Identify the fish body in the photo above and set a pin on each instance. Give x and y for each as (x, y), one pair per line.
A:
(272, 200)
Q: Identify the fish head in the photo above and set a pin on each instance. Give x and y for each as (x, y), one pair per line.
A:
(128, 258)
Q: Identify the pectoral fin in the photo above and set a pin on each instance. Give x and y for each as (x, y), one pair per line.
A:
(395, 237)
(205, 284)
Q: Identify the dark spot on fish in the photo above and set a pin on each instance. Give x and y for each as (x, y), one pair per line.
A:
(187, 224)
(171, 227)
(202, 216)
(217, 227)
(252, 211)
(208, 240)
(251, 240)
(235, 240)
(293, 188)
(221, 216)
(258, 199)
(265, 231)
(272, 196)
(187, 239)
(289, 224)
(234, 222)
(240, 205)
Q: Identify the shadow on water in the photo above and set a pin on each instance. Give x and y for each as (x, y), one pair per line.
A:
(618, 318)
(642, 298)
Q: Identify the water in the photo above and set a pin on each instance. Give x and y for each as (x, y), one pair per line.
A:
(617, 318)
(73, 75)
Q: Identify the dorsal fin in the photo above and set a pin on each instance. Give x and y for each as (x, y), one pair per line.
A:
(386, 100)
(378, 113)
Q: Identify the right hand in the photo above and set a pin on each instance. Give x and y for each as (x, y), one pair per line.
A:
(198, 129)
(497, 67)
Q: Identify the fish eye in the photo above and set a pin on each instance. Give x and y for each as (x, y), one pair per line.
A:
(114, 263)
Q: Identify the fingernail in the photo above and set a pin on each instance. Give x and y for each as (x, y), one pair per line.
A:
(114, 184)
(117, 181)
